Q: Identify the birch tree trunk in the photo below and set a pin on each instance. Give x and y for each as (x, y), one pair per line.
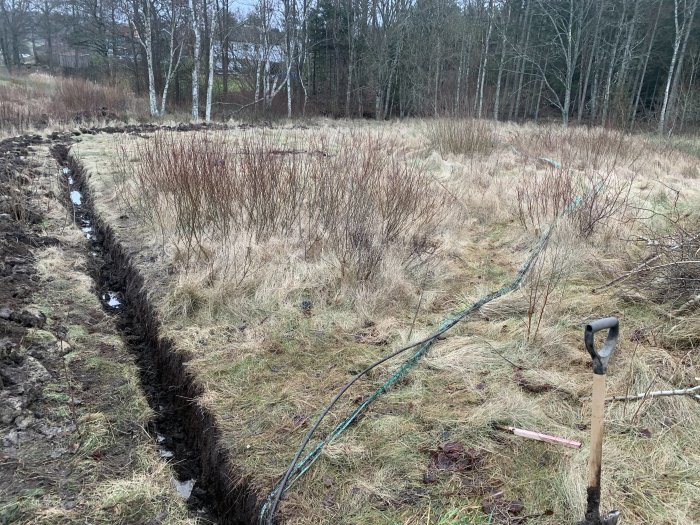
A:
(173, 64)
(626, 58)
(688, 23)
(195, 60)
(594, 48)
(152, 102)
(146, 41)
(500, 69)
(483, 67)
(680, 30)
(458, 89)
(210, 78)
(539, 93)
(258, 83)
(633, 112)
(351, 60)
(688, 96)
(611, 69)
(290, 49)
(302, 51)
(436, 87)
(521, 66)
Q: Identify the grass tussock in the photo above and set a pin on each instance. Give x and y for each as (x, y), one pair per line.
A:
(461, 136)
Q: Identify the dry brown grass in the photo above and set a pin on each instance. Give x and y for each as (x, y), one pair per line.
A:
(354, 204)
(269, 364)
(38, 101)
(461, 136)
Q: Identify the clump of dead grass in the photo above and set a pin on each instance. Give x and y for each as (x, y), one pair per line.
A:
(461, 136)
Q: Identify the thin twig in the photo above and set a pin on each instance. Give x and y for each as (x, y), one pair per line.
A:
(644, 396)
(659, 393)
(415, 315)
(629, 384)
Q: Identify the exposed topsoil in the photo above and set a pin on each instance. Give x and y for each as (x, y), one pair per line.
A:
(73, 420)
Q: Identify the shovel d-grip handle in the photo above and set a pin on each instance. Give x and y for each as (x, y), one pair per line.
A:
(601, 357)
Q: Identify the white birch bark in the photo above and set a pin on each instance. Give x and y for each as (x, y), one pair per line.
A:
(688, 24)
(680, 30)
(633, 112)
(483, 67)
(594, 50)
(458, 90)
(521, 66)
(146, 41)
(195, 59)
(210, 81)
(173, 64)
(500, 69)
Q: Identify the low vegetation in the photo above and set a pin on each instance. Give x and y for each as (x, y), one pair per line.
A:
(272, 345)
(461, 136)
(225, 203)
(38, 101)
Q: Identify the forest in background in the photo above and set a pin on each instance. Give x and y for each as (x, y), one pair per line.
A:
(631, 64)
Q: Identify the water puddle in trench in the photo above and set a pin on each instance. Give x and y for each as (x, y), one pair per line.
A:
(111, 299)
(76, 197)
(184, 488)
(169, 432)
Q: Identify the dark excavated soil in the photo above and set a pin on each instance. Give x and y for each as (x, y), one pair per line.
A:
(182, 425)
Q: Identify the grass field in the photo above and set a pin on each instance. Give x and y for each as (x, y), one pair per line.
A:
(286, 260)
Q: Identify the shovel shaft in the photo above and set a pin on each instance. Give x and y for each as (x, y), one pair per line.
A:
(597, 409)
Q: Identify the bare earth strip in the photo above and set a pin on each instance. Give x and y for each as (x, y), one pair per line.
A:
(75, 448)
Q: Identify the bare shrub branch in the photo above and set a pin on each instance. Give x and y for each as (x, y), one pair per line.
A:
(588, 201)
(354, 204)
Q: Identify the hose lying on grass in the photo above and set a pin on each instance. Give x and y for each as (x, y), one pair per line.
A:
(298, 468)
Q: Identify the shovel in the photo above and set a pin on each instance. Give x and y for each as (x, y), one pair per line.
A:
(600, 367)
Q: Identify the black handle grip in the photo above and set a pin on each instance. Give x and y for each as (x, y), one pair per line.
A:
(600, 358)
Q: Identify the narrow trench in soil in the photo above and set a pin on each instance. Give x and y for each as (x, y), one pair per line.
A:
(185, 434)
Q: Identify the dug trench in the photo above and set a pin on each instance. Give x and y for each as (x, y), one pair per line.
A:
(186, 433)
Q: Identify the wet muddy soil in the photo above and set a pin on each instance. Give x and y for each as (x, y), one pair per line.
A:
(186, 433)
(49, 460)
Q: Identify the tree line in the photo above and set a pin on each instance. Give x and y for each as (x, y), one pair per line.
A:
(626, 63)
